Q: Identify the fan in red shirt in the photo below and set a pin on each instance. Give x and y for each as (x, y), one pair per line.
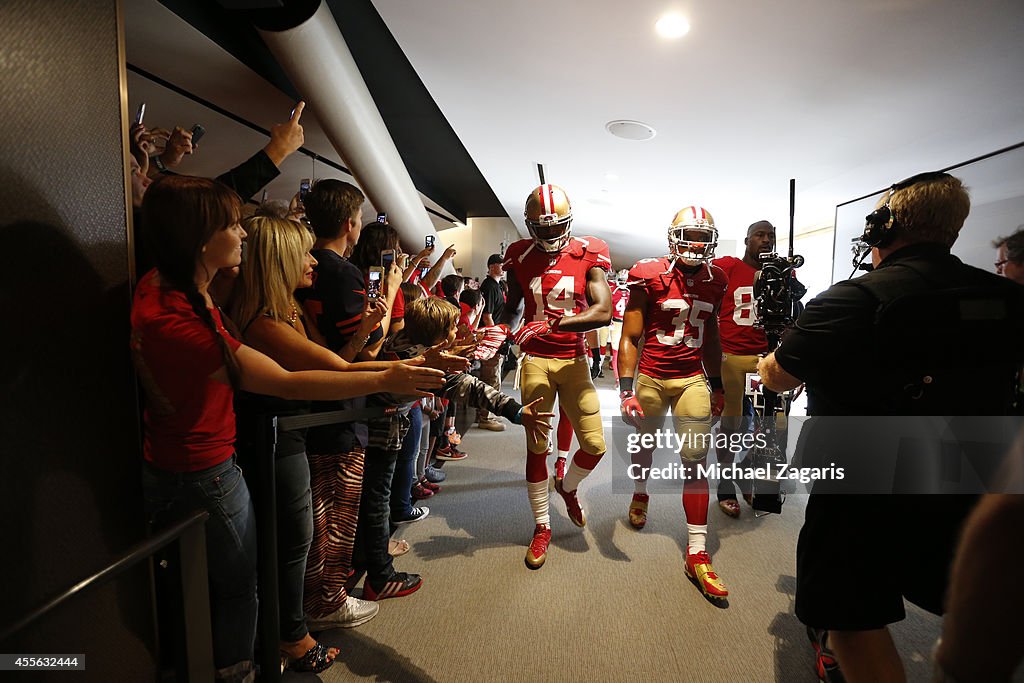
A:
(562, 279)
(673, 306)
(741, 341)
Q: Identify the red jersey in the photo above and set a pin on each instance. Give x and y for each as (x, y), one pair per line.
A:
(678, 305)
(555, 286)
(189, 418)
(736, 319)
(620, 298)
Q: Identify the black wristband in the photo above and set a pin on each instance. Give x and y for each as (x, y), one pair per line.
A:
(625, 384)
(716, 383)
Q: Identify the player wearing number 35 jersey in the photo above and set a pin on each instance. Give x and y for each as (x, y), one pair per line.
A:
(562, 279)
(673, 306)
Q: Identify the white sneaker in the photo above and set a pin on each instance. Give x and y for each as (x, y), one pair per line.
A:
(353, 613)
(490, 425)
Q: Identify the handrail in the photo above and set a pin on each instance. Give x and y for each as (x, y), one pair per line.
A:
(136, 554)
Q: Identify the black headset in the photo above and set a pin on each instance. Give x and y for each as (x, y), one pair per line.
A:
(880, 225)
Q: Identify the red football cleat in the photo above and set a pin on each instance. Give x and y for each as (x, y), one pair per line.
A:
(638, 510)
(537, 553)
(699, 569)
(572, 505)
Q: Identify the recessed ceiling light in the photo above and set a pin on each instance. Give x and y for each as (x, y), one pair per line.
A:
(630, 130)
(672, 26)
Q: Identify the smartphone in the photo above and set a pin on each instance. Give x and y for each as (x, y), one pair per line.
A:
(374, 285)
(140, 113)
(423, 271)
(197, 133)
(382, 218)
(303, 189)
(387, 257)
(403, 261)
(430, 241)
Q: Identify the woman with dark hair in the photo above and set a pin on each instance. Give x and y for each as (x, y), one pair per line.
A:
(190, 366)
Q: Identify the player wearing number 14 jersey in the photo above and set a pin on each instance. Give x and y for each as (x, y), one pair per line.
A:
(562, 280)
(673, 306)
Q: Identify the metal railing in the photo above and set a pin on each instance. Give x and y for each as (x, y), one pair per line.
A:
(190, 534)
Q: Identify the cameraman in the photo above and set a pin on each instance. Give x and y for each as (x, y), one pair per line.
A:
(862, 353)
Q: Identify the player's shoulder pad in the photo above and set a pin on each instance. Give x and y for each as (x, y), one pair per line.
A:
(647, 269)
(596, 250)
(515, 252)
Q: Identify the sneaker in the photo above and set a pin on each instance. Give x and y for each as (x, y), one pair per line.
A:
(572, 505)
(353, 612)
(450, 453)
(700, 571)
(825, 664)
(638, 510)
(416, 515)
(427, 484)
(421, 492)
(490, 425)
(434, 475)
(538, 550)
(398, 585)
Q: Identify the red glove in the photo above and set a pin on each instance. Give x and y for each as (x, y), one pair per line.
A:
(531, 330)
(632, 411)
(717, 402)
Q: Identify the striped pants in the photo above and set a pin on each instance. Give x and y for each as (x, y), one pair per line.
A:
(336, 484)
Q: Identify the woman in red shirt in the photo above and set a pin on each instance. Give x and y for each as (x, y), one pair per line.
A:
(190, 366)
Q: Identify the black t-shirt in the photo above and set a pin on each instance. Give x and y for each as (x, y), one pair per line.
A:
(335, 303)
(494, 298)
(834, 348)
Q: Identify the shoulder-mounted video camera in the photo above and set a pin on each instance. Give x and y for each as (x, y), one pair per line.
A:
(777, 293)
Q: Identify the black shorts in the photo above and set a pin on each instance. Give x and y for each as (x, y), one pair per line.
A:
(859, 556)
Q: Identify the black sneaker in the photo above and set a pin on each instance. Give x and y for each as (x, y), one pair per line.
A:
(416, 515)
(398, 585)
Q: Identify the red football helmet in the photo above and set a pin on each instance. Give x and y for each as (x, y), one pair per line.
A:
(692, 237)
(549, 217)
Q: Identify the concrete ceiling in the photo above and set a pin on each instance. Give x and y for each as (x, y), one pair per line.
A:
(846, 96)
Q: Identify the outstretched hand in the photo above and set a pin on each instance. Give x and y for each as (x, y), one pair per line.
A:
(448, 362)
(537, 424)
(407, 379)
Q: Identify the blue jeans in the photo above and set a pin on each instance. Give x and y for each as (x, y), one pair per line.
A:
(373, 530)
(405, 467)
(230, 546)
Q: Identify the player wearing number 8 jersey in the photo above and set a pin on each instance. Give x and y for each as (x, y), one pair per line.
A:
(741, 341)
(673, 306)
(562, 280)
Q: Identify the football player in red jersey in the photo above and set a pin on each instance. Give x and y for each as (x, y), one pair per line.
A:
(620, 297)
(562, 279)
(673, 306)
(741, 342)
